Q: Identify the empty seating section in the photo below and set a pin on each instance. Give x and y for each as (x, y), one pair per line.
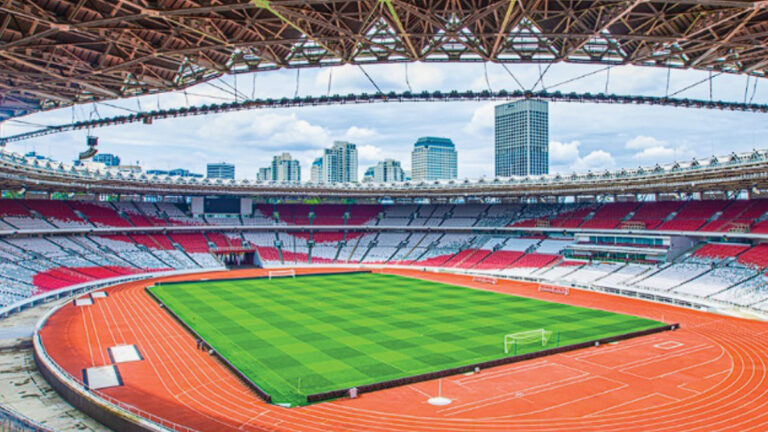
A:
(499, 215)
(610, 215)
(520, 244)
(100, 214)
(191, 242)
(291, 214)
(553, 246)
(223, 220)
(358, 249)
(752, 292)
(624, 274)
(499, 260)
(652, 214)
(268, 254)
(294, 248)
(153, 241)
(716, 280)
(718, 270)
(756, 256)
(590, 273)
(535, 260)
(135, 216)
(56, 212)
(693, 215)
(364, 214)
(670, 277)
(329, 214)
(175, 216)
(707, 215)
(720, 250)
(219, 240)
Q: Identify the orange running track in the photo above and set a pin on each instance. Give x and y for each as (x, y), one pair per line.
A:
(708, 376)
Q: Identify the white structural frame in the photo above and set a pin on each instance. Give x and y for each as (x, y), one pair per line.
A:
(524, 336)
(282, 273)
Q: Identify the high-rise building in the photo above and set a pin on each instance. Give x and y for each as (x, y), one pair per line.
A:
(340, 163)
(370, 175)
(522, 138)
(316, 171)
(386, 171)
(282, 168)
(264, 174)
(107, 159)
(220, 170)
(434, 159)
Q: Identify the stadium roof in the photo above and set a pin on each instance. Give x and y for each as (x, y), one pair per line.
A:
(60, 52)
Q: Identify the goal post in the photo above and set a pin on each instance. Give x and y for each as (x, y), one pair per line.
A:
(485, 279)
(529, 337)
(281, 273)
(554, 289)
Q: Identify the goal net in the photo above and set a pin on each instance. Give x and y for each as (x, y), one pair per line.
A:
(282, 273)
(554, 289)
(529, 338)
(485, 279)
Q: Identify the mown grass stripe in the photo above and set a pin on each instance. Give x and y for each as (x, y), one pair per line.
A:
(313, 334)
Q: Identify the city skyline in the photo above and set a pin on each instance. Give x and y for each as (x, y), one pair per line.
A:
(621, 139)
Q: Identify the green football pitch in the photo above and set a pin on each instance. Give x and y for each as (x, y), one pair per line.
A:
(311, 334)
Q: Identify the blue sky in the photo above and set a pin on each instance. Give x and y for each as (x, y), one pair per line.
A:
(582, 136)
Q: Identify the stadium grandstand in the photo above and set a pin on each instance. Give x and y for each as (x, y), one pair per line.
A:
(689, 245)
(616, 299)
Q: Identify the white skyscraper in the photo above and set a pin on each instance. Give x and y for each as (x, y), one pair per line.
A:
(388, 171)
(282, 168)
(340, 163)
(434, 159)
(522, 138)
(316, 171)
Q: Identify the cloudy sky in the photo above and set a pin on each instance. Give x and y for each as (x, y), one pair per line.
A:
(582, 136)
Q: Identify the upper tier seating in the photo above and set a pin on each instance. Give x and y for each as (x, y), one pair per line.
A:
(329, 214)
(57, 213)
(100, 214)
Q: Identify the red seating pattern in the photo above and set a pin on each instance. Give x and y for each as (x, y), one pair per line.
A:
(433, 261)
(499, 260)
(535, 260)
(720, 250)
(757, 256)
(329, 214)
(268, 253)
(471, 261)
(11, 207)
(57, 210)
(61, 277)
(191, 242)
(220, 240)
(100, 215)
(360, 214)
(153, 241)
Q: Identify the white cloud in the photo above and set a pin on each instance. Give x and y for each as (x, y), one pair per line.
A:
(563, 153)
(644, 142)
(596, 160)
(660, 154)
(369, 154)
(482, 120)
(356, 134)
